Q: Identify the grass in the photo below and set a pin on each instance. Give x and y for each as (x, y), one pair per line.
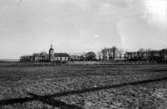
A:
(34, 82)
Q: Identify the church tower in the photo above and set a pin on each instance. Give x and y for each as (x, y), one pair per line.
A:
(51, 53)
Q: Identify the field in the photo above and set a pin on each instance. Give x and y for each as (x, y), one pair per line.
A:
(83, 87)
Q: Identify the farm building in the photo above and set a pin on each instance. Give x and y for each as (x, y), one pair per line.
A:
(138, 55)
(163, 54)
(26, 58)
(147, 55)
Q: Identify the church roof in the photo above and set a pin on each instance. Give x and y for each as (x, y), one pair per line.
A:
(51, 47)
(61, 55)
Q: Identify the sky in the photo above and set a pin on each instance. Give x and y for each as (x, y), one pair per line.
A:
(28, 26)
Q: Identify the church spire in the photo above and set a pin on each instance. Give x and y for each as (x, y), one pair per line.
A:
(51, 53)
(51, 45)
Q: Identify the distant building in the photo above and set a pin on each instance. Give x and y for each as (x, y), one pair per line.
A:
(40, 57)
(146, 55)
(132, 56)
(26, 58)
(62, 57)
(45, 57)
(75, 58)
(51, 54)
(163, 54)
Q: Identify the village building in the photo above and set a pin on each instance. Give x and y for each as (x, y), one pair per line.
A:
(146, 55)
(163, 54)
(45, 57)
(75, 58)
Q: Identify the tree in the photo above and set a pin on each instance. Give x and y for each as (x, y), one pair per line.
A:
(90, 56)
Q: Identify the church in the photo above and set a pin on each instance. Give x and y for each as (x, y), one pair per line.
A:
(46, 57)
(57, 56)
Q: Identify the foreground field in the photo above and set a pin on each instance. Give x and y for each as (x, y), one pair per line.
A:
(82, 87)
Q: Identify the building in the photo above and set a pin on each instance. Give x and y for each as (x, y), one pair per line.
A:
(40, 57)
(145, 55)
(132, 56)
(75, 58)
(163, 54)
(57, 57)
(51, 54)
(27, 58)
(46, 57)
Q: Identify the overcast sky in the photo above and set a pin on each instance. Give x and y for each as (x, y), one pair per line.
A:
(28, 26)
